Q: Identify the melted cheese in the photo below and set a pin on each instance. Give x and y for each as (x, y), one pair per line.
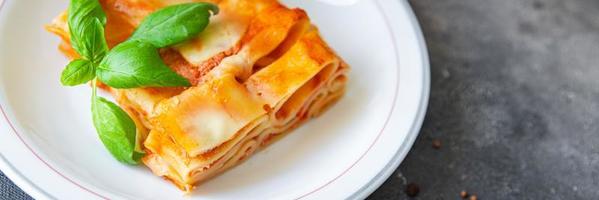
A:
(203, 117)
(223, 33)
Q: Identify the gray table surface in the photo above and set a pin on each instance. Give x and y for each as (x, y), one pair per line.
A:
(514, 102)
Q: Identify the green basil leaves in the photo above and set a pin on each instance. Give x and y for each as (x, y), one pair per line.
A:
(134, 64)
(174, 24)
(131, 64)
(86, 24)
(116, 130)
(77, 72)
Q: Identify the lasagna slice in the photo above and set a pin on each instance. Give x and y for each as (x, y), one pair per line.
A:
(258, 70)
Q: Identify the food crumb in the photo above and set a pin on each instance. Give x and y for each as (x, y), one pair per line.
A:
(464, 194)
(473, 197)
(412, 189)
(436, 143)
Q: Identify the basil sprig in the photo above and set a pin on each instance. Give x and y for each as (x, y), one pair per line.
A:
(86, 22)
(77, 72)
(116, 130)
(174, 24)
(136, 62)
(133, 63)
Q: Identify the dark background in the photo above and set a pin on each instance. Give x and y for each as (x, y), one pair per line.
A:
(514, 102)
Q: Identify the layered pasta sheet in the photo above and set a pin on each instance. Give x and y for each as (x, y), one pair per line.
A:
(258, 70)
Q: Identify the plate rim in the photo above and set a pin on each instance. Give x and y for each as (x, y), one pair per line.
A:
(34, 190)
(406, 146)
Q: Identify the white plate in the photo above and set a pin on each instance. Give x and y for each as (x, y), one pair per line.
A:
(49, 147)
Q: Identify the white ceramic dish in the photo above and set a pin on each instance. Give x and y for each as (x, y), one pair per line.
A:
(49, 148)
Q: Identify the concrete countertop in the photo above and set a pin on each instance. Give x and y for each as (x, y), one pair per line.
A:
(514, 102)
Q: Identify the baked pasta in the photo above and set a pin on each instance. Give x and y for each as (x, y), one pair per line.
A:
(257, 71)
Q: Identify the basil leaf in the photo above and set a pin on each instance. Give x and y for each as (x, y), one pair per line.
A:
(116, 130)
(86, 26)
(82, 10)
(174, 24)
(78, 72)
(133, 64)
